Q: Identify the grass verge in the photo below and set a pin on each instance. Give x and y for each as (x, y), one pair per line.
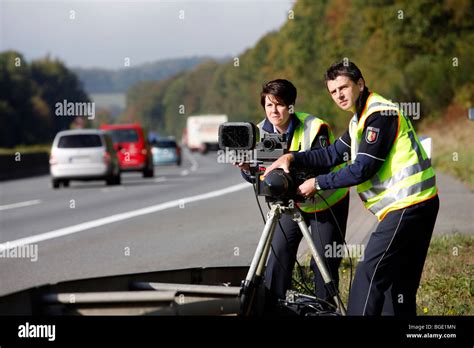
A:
(26, 149)
(447, 285)
(453, 152)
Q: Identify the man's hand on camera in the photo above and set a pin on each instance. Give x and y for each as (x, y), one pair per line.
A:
(307, 188)
(245, 167)
(283, 162)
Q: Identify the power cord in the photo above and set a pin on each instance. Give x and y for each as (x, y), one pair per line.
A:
(325, 259)
(305, 286)
(342, 238)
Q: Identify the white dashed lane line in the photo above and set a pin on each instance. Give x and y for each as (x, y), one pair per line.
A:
(120, 217)
(20, 204)
(112, 189)
(160, 179)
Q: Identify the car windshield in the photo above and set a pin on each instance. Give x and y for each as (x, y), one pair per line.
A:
(165, 143)
(123, 135)
(79, 140)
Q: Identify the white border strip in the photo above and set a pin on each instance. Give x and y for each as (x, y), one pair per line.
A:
(119, 217)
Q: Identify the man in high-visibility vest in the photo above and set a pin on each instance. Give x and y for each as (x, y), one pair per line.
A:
(395, 181)
(304, 132)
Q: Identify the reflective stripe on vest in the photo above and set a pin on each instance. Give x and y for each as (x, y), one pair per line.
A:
(378, 186)
(303, 137)
(406, 177)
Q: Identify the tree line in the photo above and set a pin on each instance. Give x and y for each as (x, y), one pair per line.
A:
(409, 51)
(29, 94)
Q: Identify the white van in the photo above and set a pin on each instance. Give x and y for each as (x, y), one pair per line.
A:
(202, 132)
(83, 154)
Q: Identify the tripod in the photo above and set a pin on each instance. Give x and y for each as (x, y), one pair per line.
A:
(257, 265)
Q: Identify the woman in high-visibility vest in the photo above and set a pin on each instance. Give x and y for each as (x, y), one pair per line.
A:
(395, 181)
(304, 132)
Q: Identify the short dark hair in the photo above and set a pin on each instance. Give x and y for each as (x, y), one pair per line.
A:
(283, 90)
(343, 68)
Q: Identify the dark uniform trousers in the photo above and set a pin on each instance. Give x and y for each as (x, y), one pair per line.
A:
(324, 232)
(387, 279)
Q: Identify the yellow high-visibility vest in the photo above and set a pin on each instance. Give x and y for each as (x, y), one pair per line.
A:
(406, 176)
(303, 137)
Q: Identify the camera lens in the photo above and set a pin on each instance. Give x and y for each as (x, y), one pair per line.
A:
(278, 184)
(269, 144)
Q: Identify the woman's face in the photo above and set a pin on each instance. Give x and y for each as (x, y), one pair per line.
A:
(277, 112)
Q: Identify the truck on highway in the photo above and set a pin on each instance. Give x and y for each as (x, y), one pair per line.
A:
(201, 133)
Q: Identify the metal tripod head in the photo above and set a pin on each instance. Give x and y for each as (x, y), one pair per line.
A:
(257, 266)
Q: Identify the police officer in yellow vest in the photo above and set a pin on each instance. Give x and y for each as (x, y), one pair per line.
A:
(304, 132)
(395, 181)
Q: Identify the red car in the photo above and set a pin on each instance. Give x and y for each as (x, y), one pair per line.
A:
(132, 148)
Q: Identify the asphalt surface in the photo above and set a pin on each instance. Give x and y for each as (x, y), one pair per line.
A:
(201, 214)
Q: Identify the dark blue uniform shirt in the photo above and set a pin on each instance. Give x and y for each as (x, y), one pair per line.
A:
(368, 160)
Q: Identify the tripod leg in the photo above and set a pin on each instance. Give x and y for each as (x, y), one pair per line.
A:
(265, 239)
(266, 250)
(259, 259)
(317, 259)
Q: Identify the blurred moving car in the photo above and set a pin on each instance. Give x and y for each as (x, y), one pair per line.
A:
(83, 154)
(166, 151)
(132, 148)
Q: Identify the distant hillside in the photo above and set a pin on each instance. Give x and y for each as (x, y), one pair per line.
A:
(113, 81)
(158, 105)
(409, 51)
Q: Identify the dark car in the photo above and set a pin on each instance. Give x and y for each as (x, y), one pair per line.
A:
(166, 151)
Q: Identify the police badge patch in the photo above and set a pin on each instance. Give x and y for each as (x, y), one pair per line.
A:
(372, 135)
(323, 141)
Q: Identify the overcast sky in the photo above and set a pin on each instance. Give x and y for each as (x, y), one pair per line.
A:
(103, 33)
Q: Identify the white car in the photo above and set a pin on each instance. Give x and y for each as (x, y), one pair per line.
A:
(83, 154)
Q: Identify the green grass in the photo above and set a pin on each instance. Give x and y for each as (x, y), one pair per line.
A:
(459, 162)
(26, 149)
(452, 147)
(447, 285)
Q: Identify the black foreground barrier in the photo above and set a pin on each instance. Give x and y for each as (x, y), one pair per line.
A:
(133, 331)
(17, 166)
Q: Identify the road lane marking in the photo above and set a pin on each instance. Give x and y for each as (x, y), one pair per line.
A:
(184, 172)
(160, 179)
(20, 204)
(112, 189)
(119, 217)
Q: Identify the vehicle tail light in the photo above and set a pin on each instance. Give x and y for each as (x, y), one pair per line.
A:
(106, 158)
(52, 160)
(143, 151)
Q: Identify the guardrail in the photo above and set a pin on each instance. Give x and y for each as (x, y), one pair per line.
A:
(18, 165)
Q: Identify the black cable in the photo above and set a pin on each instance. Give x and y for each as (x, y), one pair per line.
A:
(325, 259)
(287, 243)
(343, 239)
(300, 269)
(301, 273)
(305, 286)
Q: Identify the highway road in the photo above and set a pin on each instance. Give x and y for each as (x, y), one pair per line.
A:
(201, 214)
(218, 228)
